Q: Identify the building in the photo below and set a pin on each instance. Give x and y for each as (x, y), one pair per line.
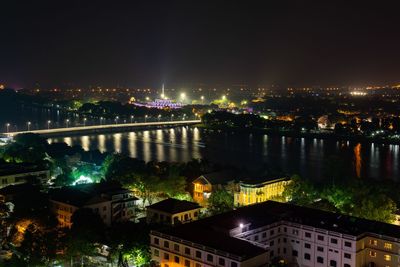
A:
(172, 211)
(13, 174)
(111, 202)
(206, 183)
(259, 190)
(255, 235)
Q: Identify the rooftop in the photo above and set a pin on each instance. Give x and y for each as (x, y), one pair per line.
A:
(18, 168)
(260, 181)
(173, 206)
(221, 177)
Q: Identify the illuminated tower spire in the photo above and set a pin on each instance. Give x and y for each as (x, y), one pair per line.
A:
(162, 92)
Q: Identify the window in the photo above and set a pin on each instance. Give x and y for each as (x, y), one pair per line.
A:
(332, 263)
(176, 247)
(387, 257)
(156, 240)
(295, 253)
(388, 246)
(320, 249)
(166, 256)
(256, 238)
(320, 237)
(264, 235)
(346, 265)
(187, 263)
(307, 245)
(284, 240)
(166, 244)
(285, 229)
(271, 232)
(156, 252)
(271, 243)
(234, 264)
(372, 254)
(187, 251)
(221, 261)
(271, 254)
(333, 240)
(166, 265)
(320, 259)
(198, 265)
(307, 256)
(347, 255)
(195, 214)
(308, 234)
(210, 257)
(176, 259)
(373, 242)
(284, 250)
(295, 231)
(104, 208)
(347, 244)
(198, 254)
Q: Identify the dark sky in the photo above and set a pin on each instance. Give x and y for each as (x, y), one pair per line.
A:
(145, 43)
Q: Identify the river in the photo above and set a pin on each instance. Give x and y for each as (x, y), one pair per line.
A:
(303, 156)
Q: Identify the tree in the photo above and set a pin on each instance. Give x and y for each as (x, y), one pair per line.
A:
(220, 201)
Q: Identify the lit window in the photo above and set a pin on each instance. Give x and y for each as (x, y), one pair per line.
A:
(373, 242)
(388, 246)
(387, 257)
(372, 254)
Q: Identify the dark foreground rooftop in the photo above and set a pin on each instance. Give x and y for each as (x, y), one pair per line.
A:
(173, 206)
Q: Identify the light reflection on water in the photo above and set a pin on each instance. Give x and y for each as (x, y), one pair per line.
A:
(291, 155)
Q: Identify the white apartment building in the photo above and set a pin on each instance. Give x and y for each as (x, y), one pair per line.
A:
(296, 235)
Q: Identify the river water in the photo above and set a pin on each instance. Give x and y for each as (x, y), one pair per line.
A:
(307, 157)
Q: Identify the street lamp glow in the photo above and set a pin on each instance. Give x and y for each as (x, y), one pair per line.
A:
(145, 118)
(29, 125)
(224, 97)
(132, 118)
(67, 122)
(48, 124)
(183, 96)
(8, 127)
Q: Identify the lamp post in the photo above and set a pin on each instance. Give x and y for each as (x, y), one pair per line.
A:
(116, 119)
(8, 127)
(202, 99)
(67, 122)
(172, 116)
(145, 118)
(132, 118)
(159, 117)
(28, 124)
(48, 125)
(183, 97)
(101, 120)
(84, 122)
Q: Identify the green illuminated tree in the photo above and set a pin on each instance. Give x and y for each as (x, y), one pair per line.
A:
(220, 201)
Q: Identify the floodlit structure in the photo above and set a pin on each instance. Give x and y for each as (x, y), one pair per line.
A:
(259, 190)
(255, 235)
(14, 174)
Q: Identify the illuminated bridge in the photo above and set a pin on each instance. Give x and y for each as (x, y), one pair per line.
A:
(105, 128)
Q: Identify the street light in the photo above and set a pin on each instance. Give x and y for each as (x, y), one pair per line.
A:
(159, 117)
(101, 120)
(224, 97)
(48, 125)
(29, 125)
(145, 118)
(172, 116)
(132, 118)
(202, 99)
(116, 119)
(67, 122)
(8, 127)
(84, 121)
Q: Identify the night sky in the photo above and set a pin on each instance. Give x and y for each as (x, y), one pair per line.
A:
(145, 43)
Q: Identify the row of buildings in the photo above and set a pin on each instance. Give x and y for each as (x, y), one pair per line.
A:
(259, 234)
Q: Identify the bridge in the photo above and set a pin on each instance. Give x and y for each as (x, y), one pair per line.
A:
(105, 127)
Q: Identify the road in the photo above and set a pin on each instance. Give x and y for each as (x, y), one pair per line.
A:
(104, 127)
